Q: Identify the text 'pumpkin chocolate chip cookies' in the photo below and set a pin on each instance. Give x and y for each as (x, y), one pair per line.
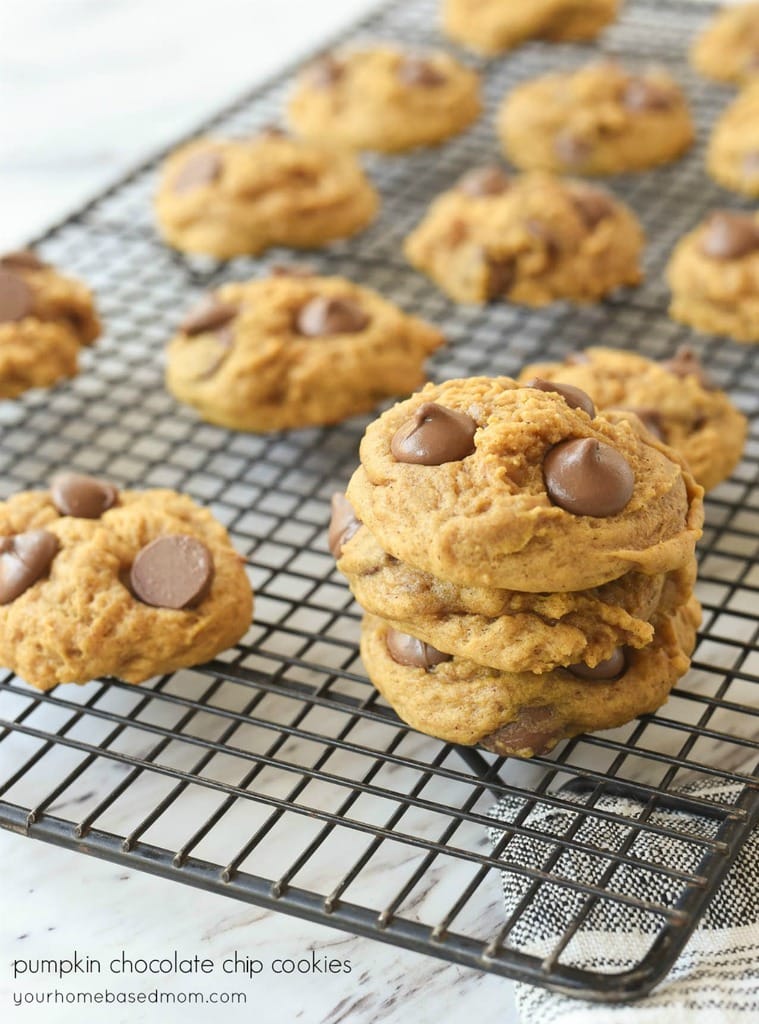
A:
(45, 318)
(728, 48)
(599, 120)
(526, 563)
(227, 198)
(383, 99)
(492, 26)
(733, 155)
(530, 240)
(295, 350)
(100, 582)
(674, 399)
(714, 276)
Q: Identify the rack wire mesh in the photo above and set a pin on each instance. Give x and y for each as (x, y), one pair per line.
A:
(280, 744)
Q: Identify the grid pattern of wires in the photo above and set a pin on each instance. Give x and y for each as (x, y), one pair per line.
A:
(280, 744)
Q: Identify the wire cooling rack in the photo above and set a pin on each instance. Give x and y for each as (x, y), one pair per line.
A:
(275, 774)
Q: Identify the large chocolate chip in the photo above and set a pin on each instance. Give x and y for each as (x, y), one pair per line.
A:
(322, 316)
(202, 168)
(24, 559)
(571, 150)
(641, 95)
(484, 181)
(729, 236)
(501, 274)
(84, 497)
(575, 398)
(324, 72)
(16, 297)
(342, 526)
(593, 205)
(223, 339)
(407, 650)
(685, 363)
(173, 572)
(416, 71)
(588, 478)
(434, 435)
(22, 259)
(534, 729)
(611, 668)
(208, 316)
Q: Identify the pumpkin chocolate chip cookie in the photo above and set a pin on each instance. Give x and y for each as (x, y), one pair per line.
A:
(295, 350)
(674, 399)
(733, 155)
(384, 99)
(728, 48)
(227, 198)
(493, 26)
(714, 276)
(530, 239)
(45, 319)
(599, 120)
(100, 582)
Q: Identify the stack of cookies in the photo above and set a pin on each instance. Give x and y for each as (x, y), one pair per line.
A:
(525, 563)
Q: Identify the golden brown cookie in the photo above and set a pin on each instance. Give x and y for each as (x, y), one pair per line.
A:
(226, 198)
(714, 276)
(45, 318)
(529, 240)
(522, 714)
(295, 350)
(599, 120)
(510, 630)
(96, 582)
(483, 482)
(674, 399)
(492, 26)
(728, 48)
(733, 155)
(384, 99)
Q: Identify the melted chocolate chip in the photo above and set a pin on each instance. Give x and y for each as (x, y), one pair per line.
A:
(575, 398)
(342, 526)
(208, 316)
(533, 729)
(484, 181)
(324, 72)
(641, 95)
(22, 259)
(202, 168)
(729, 236)
(24, 559)
(593, 205)
(16, 297)
(322, 316)
(407, 650)
(545, 235)
(224, 338)
(417, 71)
(588, 478)
(685, 363)
(501, 274)
(172, 572)
(571, 150)
(434, 435)
(84, 497)
(611, 668)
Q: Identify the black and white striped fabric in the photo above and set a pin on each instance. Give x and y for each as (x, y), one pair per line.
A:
(716, 978)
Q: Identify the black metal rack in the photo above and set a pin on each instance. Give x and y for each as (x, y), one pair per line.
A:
(280, 744)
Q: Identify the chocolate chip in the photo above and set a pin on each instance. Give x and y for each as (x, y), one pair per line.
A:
(729, 236)
(203, 168)
(22, 259)
(16, 297)
(417, 71)
(272, 131)
(210, 314)
(484, 181)
(575, 398)
(611, 668)
(434, 435)
(224, 338)
(571, 150)
(342, 526)
(24, 559)
(407, 650)
(84, 497)
(533, 729)
(641, 95)
(593, 205)
(650, 418)
(173, 572)
(545, 235)
(501, 274)
(685, 363)
(291, 270)
(322, 316)
(324, 72)
(588, 478)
